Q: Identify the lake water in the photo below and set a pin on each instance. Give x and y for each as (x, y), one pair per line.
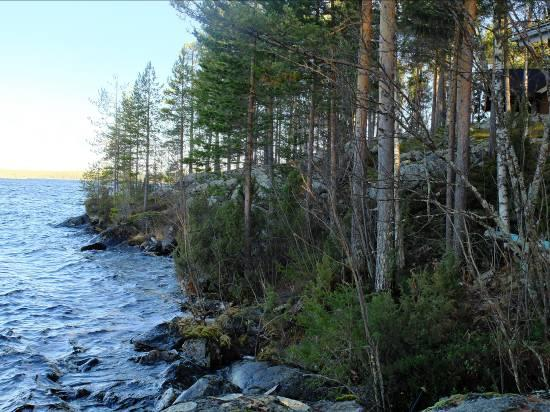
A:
(60, 307)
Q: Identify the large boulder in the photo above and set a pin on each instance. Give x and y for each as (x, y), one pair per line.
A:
(253, 377)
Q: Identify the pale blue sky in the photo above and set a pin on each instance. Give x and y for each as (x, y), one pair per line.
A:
(54, 56)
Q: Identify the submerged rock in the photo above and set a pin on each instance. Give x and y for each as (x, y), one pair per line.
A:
(94, 246)
(89, 364)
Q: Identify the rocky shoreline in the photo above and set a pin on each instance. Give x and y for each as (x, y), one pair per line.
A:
(212, 352)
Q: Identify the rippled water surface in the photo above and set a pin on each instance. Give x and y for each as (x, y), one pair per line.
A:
(60, 307)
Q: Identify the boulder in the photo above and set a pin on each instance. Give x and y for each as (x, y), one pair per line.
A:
(94, 246)
(253, 377)
(167, 399)
(156, 356)
(163, 337)
(181, 374)
(76, 221)
(201, 352)
(208, 385)
(493, 402)
(239, 402)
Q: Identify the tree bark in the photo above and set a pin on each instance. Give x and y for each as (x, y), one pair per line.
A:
(386, 123)
(248, 159)
(310, 144)
(359, 237)
(499, 104)
(463, 101)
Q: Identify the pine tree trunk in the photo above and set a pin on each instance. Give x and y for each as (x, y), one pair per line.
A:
(358, 183)
(191, 121)
(441, 109)
(499, 103)
(217, 157)
(147, 154)
(385, 204)
(248, 160)
(310, 144)
(269, 139)
(463, 102)
(435, 113)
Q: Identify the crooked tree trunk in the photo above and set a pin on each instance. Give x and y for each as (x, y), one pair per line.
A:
(359, 236)
(386, 123)
(248, 160)
(463, 102)
(499, 104)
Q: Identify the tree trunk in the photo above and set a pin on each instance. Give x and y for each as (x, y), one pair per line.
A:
(147, 154)
(191, 120)
(359, 237)
(333, 145)
(248, 159)
(310, 144)
(435, 87)
(499, 104)
(217, 165)
(269, 139)
(441, 98)
(386, 123)
(463, 102)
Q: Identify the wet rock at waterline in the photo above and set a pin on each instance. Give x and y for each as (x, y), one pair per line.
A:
(75, 221)
(94, 246)
(156, 356)
(163, 337)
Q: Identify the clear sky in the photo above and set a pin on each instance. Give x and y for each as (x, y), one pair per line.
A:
(55, 56)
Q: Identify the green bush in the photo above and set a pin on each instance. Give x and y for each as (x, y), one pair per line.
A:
(427, 339)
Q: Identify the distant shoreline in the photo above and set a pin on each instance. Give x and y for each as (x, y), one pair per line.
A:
(40, 174)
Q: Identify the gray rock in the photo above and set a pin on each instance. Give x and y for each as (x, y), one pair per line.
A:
(254, 377)
(182, 374)
(162, 337)
(241, 403)
(183, 407)
(167, 399)
(197, 351)
(76, 221)
(156, 356)
(475, 402)
(209, 385)
(346, 406)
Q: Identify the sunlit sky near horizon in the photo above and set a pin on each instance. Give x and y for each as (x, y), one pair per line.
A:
(55, 56)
